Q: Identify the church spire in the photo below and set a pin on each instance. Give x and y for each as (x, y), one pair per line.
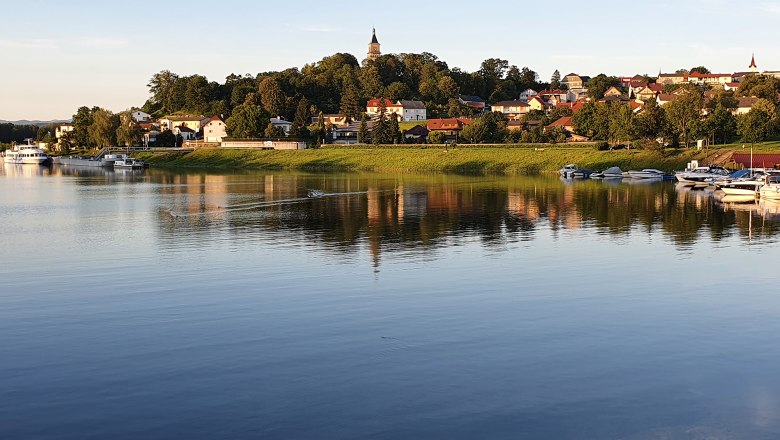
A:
(752, 65)
(373, 37)
(373, 47)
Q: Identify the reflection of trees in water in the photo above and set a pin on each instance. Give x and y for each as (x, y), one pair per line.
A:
(422, 213)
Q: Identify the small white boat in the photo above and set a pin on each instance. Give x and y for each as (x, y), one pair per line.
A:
(129, 163)
(568, 170)
(612, 173)
(647, 173)
(25, 154)
(771, 187)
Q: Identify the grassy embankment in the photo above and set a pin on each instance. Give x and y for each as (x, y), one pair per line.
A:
(466, 160)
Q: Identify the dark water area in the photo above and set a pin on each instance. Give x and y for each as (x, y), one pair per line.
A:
(162, 305)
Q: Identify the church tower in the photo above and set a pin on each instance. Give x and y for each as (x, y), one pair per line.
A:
(753, 68)
(373, 48)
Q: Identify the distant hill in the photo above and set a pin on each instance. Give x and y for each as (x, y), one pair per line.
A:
(26, 122)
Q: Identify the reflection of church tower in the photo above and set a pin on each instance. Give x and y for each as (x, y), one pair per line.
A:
(373, 48)
(753, 68)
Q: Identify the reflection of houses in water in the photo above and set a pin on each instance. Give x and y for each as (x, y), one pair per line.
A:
(411, 203)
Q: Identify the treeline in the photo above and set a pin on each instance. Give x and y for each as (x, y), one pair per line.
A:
(339, 84)
(11, 133)
(97, 127)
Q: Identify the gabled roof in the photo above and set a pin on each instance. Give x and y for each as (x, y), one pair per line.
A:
(470, 98)
(747, 101)
(666, 97)
(277, 121)
(447, 123)
(511, 103)
(216, 118)
(565, 121)
(657, 88)
(417, 130)
(184, 129)
(411, 104)
(375, 103)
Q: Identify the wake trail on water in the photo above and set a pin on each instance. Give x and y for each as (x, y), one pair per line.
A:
(312, 194)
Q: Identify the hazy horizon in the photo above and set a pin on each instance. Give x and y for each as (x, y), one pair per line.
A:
(58, 57)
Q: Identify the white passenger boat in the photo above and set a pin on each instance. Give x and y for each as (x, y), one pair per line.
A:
(25, 154)
(647, 173)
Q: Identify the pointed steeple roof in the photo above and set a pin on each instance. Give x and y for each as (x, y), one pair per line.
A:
(373, 38)
(752, 62)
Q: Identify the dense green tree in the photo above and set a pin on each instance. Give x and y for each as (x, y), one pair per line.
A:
(699, 69)
(102, 131)
(650, 122)
(754, 126)
(720, 124)
(448, 88)
(555, 80)
(363, 137)
(684, 112)
(600, 84)
(128, 133)
(381, 132)
(621, 123)
(247, 121)
(166, 139)
(762, 86)
(350, 107)
(81, 122)
(394, 130)
(436, 137)
(302, 117)
(271, 131)
(272, 96)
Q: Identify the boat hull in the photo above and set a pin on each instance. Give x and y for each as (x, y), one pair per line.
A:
(26, 160)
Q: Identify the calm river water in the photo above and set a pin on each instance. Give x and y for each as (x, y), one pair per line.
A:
(160, 305)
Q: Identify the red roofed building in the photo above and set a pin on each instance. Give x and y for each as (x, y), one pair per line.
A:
(214, 130)
(760, 160)
(451, 127)
(568, 126)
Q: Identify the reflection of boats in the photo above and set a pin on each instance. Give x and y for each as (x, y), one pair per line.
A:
(581, 174)
(771, 187)
(736, 198)
(647, 173)
(25, 155)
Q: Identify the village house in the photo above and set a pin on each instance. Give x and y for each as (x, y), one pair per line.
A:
(281, 123)
(416, 133)
(475, 102)
(732, 86)
(62, 130)
(664, 98)
(568, 126)
(527, 94)
(194, 123)
(332, 119)
(701, 79)
(215, 130)
(745, 104)
(140, 116)
(613, 91)
(553, 97)
(451, 127)
(671, 78)
(347, 134)
(574, 81)
(576, 94)
(185, 132)
(512, 109)
(538, 104)
(407, 110)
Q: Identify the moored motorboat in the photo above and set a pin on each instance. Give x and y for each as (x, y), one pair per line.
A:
(129, 163)
(700, 175)
(647, 173)
(568, 170)
(771, 187)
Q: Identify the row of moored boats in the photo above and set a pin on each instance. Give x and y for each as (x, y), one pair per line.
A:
(30, 155)
(750, 183)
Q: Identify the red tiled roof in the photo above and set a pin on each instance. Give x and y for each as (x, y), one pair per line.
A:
(216, 118)
(375, 103)
(447, 123)
(657, 88)
(634, 104)
(562, 122)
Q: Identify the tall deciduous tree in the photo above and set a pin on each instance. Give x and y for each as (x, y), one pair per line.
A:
(102, 131)
(684, 112)
(754, 126)
(272, 96)
(247, 121)
(81, 122)
(128, 133)
(555, 80)
(600, 84)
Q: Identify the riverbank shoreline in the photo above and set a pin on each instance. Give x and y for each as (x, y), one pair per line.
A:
(477, 160)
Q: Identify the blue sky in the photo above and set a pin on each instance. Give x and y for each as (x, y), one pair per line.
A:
(56, 56)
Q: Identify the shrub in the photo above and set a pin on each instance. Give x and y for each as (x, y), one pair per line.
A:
(602, 146)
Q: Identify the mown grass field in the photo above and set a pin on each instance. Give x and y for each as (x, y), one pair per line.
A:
(486, 160)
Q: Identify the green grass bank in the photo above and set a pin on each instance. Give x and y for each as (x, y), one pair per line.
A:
(511, 160)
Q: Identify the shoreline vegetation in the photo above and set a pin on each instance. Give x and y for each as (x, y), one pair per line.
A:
(472, 159)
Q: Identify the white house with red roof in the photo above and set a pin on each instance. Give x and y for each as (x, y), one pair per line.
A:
(215, 130)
